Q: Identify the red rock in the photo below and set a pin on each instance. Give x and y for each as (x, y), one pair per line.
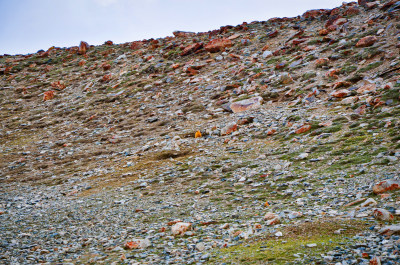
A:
(58, 85)
(298, 41)
(106, 66)
(273, 34)
(303, 129)
(183, 34)
(271, 132)
(217, 45)
(386, 185)
(48, 95)
(314, 13)
(192, 48)
(106, 78)
(374, 260)
(341, 93)
(83, 47)
(362, 2)
(341, 84)
(82, 62)
(245, 121)
(321, 62)
(383, 214)
(366, 41)
(228, 129)
(247, 104)
(109, 43)
(351, 11)
(191, 72)
(175, 66)
(137, 244)
(136, 45)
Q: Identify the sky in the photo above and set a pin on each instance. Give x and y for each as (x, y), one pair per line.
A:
(30, 25)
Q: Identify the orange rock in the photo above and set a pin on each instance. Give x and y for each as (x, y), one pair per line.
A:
(366, 41)
(82, 62)
(217, 45)
(83, 47)
(303, 129)
(341, 93)
(109, 43)
(197, 134)
(48, 95)
(271, 132)
(323, 32)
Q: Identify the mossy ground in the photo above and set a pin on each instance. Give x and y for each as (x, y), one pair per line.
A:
(292, 248)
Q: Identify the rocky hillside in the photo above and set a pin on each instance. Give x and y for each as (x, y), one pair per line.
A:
(273, 142)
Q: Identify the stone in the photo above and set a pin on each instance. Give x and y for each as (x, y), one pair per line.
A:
(83, 47)
(180, 228)
(183, 34)
(266, 54)
(303, 155)
(137, 244)
(341, 93)
(303, 129)
(383, 215)
(217, 45)
(246, 104)
(366, 41)
(369, 202)
(59, 85)
(200, 246)
(191, 48)
(375, 260)
(390, 230)
(228, 129)
(321, 62)
(272, 218)
(386, 185)
(48, 95)
(106, 66)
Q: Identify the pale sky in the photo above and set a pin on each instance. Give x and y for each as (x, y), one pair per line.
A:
(27, 26)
